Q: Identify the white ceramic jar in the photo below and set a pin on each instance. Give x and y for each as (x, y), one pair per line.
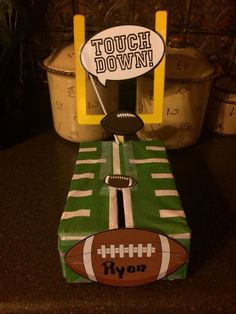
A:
(187, 86)
(221, 113)
(60, 67)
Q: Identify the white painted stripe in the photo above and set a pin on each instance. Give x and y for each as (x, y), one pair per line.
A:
(162, 175)
(128, 210)
(77, 213)
(167, 213)
(186, 235)
(148, 160)
(165, 248)
(156, 148)
(166, 193)
(116, 158)
(149, 249)
(112, 251)
(121, 251)
(87, 258)
(113, 209)
(131, 250)
(71, 238)
(140, 250)
(87, 149)
(78, 176)
(103, 251)
(80, 193)
(90, 161)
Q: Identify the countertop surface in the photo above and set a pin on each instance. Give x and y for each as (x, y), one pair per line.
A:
(34, 179)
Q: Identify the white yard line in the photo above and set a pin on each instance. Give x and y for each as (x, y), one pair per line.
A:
(90, 161)
(148, 160)
(87, 149)
(116, 158)
(76, 213)
(78, 176)
(80, 193)
(168, 213)
(166, 193)
(162, 175)
(156, 148)
(180, 236)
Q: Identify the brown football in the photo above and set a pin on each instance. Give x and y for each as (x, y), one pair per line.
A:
(120, 181)
(122, 123)
(126, 257)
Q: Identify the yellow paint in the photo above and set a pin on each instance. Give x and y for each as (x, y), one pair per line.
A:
(159, 75)
(120, 139)
(80, 75)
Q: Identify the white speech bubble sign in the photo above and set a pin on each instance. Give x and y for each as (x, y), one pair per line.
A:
(122, 52)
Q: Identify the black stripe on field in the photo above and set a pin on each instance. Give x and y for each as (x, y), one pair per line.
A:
(121, 213)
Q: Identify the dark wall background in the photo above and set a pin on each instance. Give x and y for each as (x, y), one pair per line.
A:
(209, 25)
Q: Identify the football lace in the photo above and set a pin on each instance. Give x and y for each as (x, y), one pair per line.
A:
(125, 115)
(119, 177)
(130, 250)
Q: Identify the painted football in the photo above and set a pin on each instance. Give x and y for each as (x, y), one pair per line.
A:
(120, 181)
(122, 123)
(126, 257)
